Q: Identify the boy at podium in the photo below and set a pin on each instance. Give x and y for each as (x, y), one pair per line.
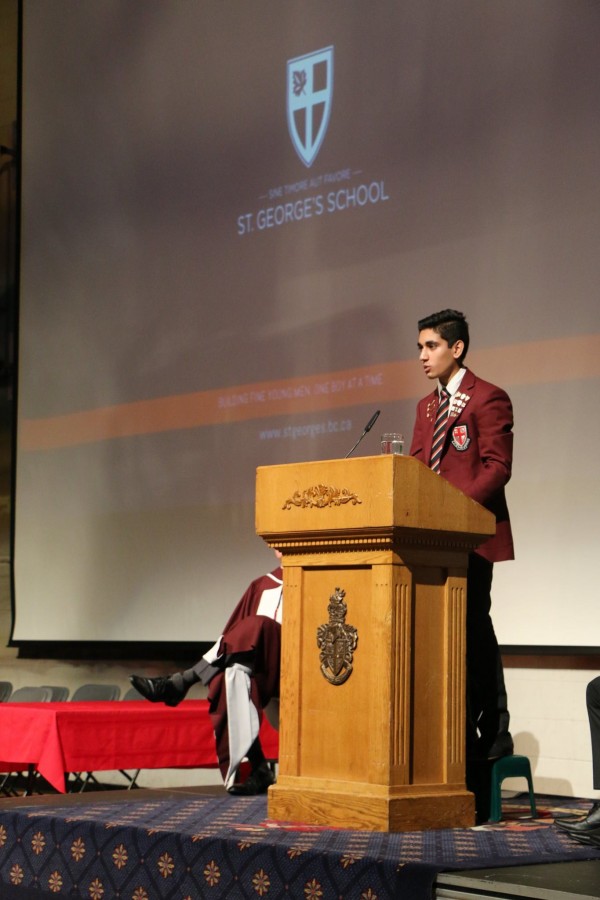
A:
(463, 431)
(241, 672)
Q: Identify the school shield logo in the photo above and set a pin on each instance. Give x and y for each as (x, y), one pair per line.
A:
(337, 641)
(460, 437)
(309, 95)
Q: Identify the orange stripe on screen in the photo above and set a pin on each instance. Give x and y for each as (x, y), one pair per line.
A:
(563, 359)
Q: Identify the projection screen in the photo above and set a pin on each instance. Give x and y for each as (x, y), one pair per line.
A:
(233, 216)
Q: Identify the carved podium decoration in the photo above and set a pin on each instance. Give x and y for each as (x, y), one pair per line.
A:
(320, 496)
(337, 641)
(373, 735)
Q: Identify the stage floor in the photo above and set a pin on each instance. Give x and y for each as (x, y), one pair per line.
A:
(574, 879)
(554, 881)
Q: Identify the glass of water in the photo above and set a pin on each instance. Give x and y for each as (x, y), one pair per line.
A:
(392, 442)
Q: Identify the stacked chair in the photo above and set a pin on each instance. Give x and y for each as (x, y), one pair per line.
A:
(86, 693)
(9, 786)
(11, 783)
(31, 695)
(132, 694)
(59, 693)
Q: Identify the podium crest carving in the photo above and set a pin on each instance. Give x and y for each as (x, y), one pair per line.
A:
(321, 495)
(337, 641)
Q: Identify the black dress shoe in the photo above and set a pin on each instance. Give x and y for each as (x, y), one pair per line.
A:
(593, 839)
(158, 690)
(258, 782)
(502, 746)
(590, 840)
(589, 826)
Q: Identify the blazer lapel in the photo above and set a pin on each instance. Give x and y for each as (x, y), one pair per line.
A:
(459, 402)
(461, 398)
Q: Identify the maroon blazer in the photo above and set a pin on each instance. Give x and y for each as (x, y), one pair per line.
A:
(477, 453)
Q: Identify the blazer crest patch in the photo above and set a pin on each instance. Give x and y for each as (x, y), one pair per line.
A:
(460, 437)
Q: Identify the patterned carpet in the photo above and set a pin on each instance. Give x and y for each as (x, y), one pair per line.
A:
(225, 847)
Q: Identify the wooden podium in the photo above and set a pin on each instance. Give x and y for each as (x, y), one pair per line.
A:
(372, 706)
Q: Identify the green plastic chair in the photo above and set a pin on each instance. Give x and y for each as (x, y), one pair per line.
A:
(509, 767)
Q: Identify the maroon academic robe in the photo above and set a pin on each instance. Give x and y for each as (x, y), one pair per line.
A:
(251, 638)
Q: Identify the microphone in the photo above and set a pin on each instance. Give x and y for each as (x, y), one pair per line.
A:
(367, 428)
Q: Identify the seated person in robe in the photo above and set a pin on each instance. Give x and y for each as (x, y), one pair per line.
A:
(241, 672)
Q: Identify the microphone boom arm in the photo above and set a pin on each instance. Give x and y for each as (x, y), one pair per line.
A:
(367, 428)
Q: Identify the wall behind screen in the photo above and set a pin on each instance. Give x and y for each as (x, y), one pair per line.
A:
(196, 301)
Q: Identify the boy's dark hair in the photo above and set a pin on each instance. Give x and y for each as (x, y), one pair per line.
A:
(451, 325)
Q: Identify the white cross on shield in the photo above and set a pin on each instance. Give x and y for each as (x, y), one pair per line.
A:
(309, 95)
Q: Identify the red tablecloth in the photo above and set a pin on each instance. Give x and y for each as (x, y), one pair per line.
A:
(95, 736)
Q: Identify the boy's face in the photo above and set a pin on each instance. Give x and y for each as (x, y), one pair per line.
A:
(439, 360)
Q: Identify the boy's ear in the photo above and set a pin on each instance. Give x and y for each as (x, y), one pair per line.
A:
(458, 348)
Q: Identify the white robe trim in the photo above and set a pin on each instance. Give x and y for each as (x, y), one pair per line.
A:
(271, 604)
(242, 717)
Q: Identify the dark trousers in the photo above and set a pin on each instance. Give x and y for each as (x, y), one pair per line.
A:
(592, 699)
(487, 706)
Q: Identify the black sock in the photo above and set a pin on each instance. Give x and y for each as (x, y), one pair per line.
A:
(189, 677)
(182, 681)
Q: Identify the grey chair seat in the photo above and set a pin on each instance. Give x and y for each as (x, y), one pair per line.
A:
(59, 692)
(31, 695)
(92, 691)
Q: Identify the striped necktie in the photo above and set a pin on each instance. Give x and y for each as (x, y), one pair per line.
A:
(439, 430)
